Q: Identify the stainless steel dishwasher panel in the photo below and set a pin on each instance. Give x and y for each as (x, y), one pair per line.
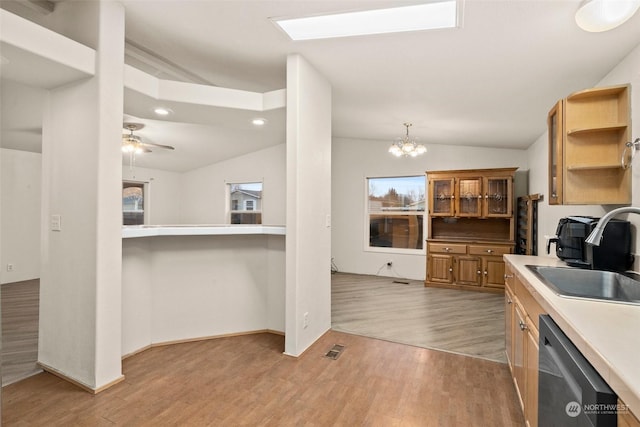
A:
(570, 391)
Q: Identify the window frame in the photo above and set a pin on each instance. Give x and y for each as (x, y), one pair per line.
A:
(228, 202)
(390, 250)
(146, 200)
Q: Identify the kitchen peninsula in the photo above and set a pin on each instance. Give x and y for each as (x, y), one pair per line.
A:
(189, 282)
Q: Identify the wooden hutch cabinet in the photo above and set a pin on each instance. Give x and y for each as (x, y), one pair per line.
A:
(470, 226)
(588, 133)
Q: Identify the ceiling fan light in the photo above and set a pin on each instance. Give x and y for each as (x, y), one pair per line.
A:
(602, 15)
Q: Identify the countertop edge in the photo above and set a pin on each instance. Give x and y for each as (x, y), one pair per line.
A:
(129, 232)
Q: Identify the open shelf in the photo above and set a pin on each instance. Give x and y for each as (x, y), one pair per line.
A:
(596, 129)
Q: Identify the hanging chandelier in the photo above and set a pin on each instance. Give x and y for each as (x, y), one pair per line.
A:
(407, 146)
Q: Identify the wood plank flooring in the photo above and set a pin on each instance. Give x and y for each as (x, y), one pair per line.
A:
(463, 322)
(247, 381)
(20, 314)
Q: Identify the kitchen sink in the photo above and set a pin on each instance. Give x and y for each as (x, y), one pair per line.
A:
(591, 284)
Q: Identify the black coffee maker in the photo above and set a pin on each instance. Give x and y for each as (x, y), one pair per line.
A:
(613, 254)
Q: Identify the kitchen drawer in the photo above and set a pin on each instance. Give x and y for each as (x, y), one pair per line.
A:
(528, 301)
(497, 250)
(447, 248)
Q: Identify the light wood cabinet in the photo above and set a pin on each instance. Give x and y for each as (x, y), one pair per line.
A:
(626, 418)
(471, 225)
(522, 312)
(472, 266)
(588, 131)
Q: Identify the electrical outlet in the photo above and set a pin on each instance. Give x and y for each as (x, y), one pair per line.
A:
(305, 320)
(9, 267)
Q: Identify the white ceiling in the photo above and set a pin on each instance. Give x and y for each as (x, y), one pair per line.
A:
(488, 83)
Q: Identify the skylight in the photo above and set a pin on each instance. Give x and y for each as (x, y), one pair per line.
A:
(428, 16)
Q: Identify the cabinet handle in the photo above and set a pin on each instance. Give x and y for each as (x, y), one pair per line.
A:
(523, 326)
(489, 251)
(508, 276)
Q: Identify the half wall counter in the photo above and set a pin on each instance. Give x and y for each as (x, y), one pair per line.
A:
(190, 282)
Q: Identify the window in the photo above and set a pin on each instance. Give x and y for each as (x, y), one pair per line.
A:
(395, 210)
(132, 203)
(245, 202)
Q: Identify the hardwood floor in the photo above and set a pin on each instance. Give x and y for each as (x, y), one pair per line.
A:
(246, 380)
(463, 322)
(20, 307)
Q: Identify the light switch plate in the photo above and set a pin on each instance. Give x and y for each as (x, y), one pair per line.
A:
(56, 223)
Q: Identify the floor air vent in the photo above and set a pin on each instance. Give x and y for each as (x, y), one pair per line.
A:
(335, 351)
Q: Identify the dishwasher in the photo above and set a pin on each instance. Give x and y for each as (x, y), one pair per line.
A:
(570, 391)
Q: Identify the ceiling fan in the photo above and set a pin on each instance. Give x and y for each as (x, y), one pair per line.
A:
(133, 144)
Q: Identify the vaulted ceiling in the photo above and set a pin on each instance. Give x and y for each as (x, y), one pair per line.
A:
(488, 83)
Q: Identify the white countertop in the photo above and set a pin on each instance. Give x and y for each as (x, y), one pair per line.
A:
(607, 333)
(131, 231)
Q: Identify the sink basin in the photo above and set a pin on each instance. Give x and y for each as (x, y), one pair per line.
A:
(591, 284)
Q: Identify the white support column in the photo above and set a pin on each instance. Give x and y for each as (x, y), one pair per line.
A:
(308, 240)
(80, 296)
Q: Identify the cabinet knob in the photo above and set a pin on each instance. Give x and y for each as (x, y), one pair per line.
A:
(489, 251)
(479, 272)
(523, 326)
(509, 301)
(447, 249)
(450, 269)
(486, 273)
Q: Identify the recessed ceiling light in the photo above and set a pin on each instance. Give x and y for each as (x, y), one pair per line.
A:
(259, 121)
(162, 111)
(428, 16)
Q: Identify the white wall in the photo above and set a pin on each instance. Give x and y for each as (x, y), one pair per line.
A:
(354, 160)
(203, 191)
(187, 287)
(20, 202)
(308, 240)
(80, 293)
(164, 193)
(627, 71)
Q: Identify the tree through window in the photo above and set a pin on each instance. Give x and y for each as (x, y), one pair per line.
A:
(396, 210)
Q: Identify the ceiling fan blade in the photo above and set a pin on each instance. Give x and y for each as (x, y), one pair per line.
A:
(168, 147)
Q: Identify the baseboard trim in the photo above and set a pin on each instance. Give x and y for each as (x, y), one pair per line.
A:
(205, 338)
(77, 383)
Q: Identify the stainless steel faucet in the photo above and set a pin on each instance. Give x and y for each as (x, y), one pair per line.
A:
(596, 235)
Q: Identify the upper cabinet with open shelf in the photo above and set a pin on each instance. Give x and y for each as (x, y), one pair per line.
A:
(588, 131)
